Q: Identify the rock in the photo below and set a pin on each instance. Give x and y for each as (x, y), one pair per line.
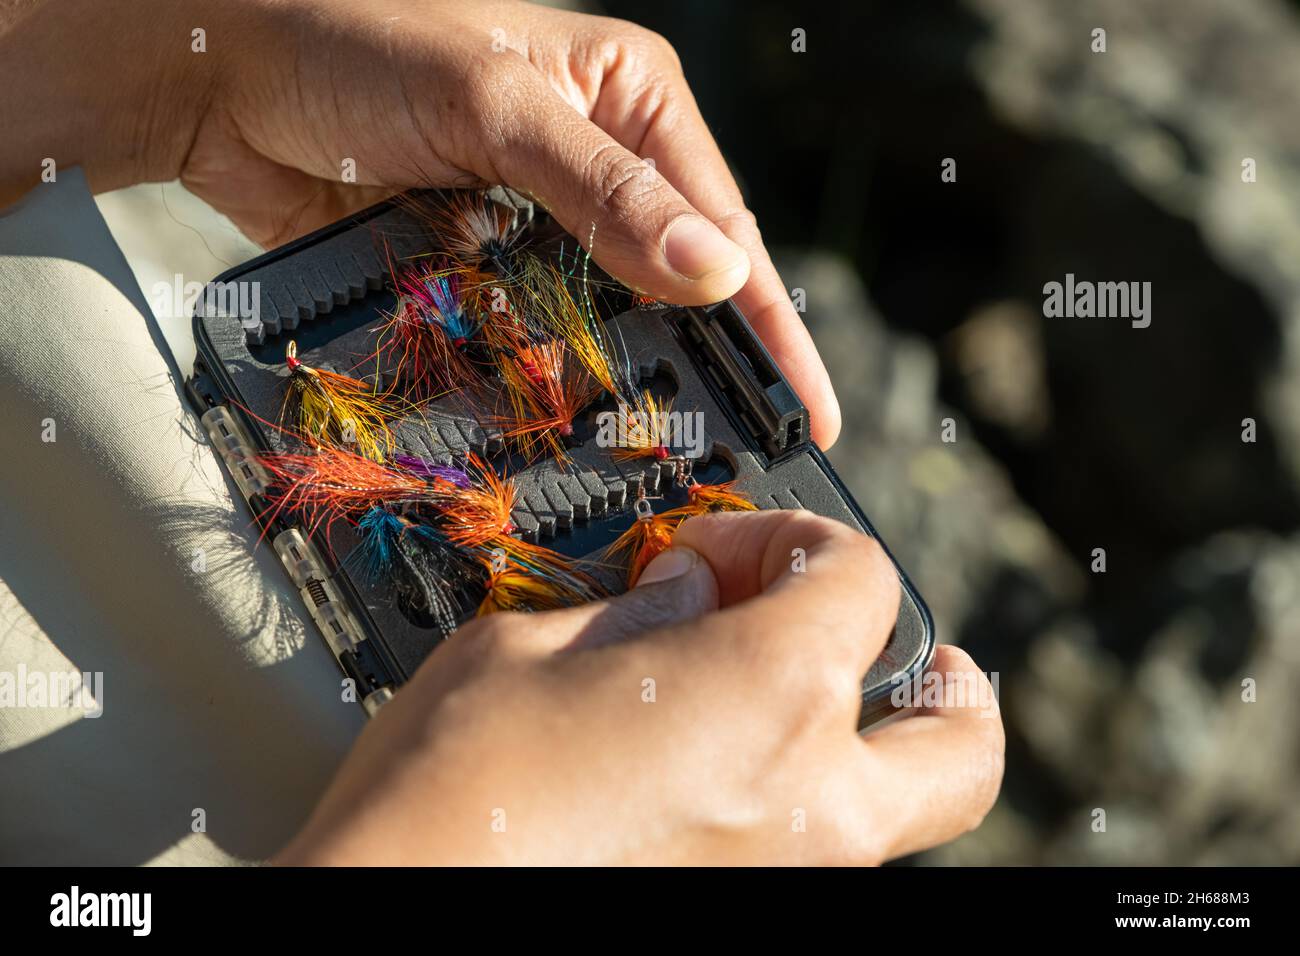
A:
(946, 510)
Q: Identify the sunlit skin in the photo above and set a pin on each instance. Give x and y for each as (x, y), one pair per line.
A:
(757, 671)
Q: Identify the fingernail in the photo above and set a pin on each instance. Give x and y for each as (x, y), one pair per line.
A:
(672, 563)
(697, 248)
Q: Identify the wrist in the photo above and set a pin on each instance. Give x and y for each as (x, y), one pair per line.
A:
(115, 86)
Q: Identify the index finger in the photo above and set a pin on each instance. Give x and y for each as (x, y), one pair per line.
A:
(675, 136)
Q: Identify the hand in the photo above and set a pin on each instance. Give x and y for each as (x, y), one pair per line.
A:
(540, 724)
(560, 106)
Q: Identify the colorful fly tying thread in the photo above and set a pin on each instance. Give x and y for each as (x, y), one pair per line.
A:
(327, 408)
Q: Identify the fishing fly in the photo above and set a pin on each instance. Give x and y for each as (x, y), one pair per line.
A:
(475, 231)
(529, 577)
(652, 533)
(426, 576)
(327, 408)
(332, 484)
(430, 334)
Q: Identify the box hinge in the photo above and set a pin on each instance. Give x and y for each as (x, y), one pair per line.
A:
(230, 439)
(342, 632)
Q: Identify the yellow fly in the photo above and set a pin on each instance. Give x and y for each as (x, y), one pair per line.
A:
(326, 408)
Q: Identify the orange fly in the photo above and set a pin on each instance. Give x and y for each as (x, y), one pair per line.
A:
(332, 484)
(479, 514)
(651, 534)
(529, 577)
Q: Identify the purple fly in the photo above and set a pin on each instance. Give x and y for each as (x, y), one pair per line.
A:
(431, 471)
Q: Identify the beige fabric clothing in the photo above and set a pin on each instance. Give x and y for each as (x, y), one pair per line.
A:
(122, 552)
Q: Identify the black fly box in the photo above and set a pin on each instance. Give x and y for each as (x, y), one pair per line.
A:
(324, 298)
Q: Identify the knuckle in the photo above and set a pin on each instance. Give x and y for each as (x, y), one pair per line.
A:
(856, 844)
(623, 183)
(495, 633)
(660, 49)
(825, 683)
(859, 830)
(646, 46)
(741, 226)
(840, 681)
(740, 222)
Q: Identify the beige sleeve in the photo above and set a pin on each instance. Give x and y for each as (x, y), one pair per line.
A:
(212, 714)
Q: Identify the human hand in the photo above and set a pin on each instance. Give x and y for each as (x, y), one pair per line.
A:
(530, 738)
(560, 106)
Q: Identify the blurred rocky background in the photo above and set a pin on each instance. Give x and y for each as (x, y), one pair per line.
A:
(1122, 691)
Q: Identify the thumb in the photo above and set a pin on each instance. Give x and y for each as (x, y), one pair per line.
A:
(677, 586)
(646, 235)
